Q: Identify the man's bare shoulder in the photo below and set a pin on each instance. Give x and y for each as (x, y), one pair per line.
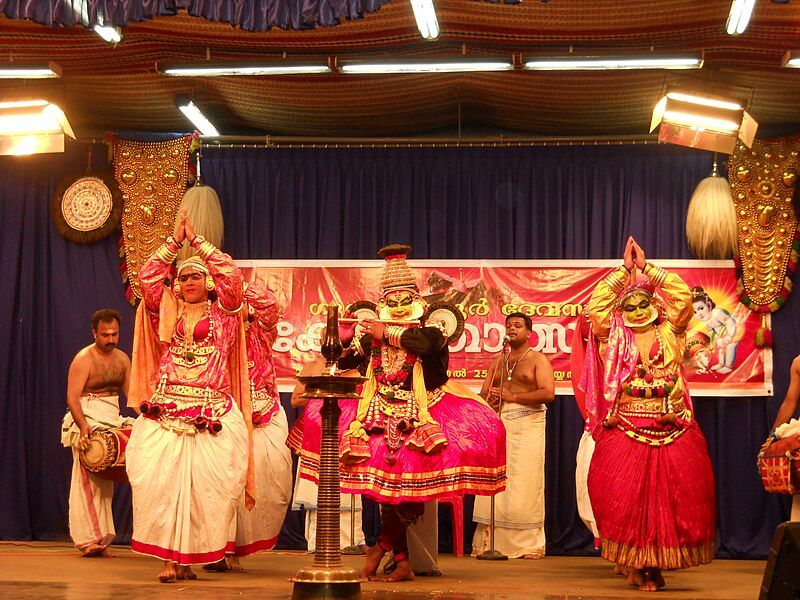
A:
(795, 368)
(539, 356)
(84, 355)
(121, 355)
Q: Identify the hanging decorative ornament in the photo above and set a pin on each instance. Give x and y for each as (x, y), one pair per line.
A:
(86, 207)
(205, 211)
(711, 218)
(152, 177)
(763, 182)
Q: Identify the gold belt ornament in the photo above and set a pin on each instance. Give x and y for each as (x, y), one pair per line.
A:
(189, 391)
(763, 179)
(152, 177)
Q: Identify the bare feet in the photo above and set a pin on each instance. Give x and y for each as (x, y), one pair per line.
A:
(93, 551)
(169, 573)
(647, 580)
(620, 570)
(401, 572)
(234, 564)
(533, 556)
(219, 566)
(656, 577)
(374, 555)
(185, 572)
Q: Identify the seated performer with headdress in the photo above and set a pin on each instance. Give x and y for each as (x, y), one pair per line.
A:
(188, 456)
(414, 436)
(650, 479)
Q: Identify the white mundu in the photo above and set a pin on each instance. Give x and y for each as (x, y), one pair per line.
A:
(305, 496)
(519, 510)
(583, 460)
(258, 529)
(90, 518)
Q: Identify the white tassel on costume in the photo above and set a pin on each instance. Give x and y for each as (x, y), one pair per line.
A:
(711, 219)
(205, 211)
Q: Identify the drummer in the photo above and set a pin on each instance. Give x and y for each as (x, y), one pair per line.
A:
(96, 375)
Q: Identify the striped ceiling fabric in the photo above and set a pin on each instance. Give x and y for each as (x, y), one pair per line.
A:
(118, 87)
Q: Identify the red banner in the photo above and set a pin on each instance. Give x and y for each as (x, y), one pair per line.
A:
(724, 360)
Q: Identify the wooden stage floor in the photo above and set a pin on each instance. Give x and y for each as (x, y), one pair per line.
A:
(55, 571)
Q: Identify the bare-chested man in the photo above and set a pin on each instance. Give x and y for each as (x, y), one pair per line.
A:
(519, 384)
(96, 376)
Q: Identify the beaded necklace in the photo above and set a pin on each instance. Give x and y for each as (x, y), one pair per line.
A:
(510, 368)
(192, 315)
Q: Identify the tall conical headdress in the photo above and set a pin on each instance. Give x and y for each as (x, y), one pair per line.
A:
(396, 274)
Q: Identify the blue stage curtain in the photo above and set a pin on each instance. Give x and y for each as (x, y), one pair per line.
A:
(249, 15)
(501, 203)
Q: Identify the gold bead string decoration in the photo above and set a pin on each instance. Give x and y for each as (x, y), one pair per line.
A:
(152, 177)
(763, 180)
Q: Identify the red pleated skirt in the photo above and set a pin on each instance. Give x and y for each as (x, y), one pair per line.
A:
(654, 505)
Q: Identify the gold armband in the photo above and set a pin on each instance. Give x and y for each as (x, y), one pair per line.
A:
(230, 312)
(165, 253)
(393, 334)
(202, 247)
(617, 278)
(656, 275)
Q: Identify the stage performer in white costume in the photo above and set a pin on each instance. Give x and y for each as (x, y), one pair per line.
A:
(189, 455)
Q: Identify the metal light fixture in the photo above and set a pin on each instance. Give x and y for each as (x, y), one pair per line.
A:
(425, 15)
(263, 67)
(791, 60)
(700, 121)
(739, 16)
(196, 116)
(29, 70)
(32, 127)
(604, 63)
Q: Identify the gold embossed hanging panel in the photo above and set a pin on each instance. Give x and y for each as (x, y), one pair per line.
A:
(763, 180)
(152, 177)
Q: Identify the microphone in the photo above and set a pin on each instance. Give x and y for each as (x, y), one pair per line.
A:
(506, 340)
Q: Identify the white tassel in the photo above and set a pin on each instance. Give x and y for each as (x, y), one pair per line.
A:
(711, 219)
(205, 212)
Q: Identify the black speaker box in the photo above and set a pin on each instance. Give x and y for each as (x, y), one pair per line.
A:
(782, 574)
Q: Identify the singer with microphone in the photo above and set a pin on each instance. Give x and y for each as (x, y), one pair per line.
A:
(519, 385)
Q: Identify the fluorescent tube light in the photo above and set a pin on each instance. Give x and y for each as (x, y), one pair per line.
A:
(112, 35)
(739, 16)
(608, 63)
(425, 14)
(198, 119)
(28, 70)
(460, 66)
(222, 70)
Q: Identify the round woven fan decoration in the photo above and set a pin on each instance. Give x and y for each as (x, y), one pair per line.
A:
(86, 208)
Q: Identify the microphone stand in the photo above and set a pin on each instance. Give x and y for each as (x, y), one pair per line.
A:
(491, 553)
(352, 549)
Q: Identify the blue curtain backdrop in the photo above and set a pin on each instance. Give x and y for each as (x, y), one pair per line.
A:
(502, 203)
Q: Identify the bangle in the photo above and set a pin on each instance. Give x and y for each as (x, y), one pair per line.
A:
(627, 270)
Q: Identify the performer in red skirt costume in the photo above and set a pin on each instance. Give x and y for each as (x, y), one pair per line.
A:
(650, 479)
(415, 435)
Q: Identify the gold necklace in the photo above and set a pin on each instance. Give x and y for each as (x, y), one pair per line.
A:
(510, 369)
